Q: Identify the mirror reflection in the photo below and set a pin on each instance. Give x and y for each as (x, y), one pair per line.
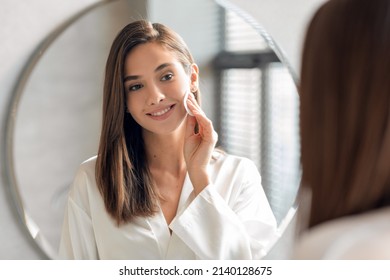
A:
(247, 92)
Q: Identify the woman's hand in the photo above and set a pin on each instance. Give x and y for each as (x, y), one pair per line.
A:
(198, 147)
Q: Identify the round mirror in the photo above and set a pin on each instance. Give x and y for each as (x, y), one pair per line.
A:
(55, 116)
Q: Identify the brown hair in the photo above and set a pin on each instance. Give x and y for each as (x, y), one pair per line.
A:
(122, 172)
(345, 108)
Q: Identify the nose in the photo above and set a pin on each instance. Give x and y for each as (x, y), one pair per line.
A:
(155, 96)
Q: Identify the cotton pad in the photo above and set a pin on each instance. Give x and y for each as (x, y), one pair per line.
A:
(185, 104)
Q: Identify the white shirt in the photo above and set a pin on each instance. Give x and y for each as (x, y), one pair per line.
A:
(363, 236)
(230, 219)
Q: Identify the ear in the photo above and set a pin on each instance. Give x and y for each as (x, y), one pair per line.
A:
(194, 77)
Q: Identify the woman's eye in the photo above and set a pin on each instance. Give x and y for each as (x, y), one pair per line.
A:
(135, 87)
(167, 77)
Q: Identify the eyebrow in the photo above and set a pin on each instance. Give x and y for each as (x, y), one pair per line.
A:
(158, 68)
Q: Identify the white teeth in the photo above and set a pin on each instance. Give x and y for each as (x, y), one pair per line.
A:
(161, 112)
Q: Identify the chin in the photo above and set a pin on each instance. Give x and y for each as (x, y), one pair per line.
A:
(166, 129)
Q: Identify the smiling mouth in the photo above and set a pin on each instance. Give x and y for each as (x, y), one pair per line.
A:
(162, 112)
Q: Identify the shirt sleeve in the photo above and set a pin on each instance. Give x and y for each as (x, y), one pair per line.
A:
(77, 237)
(213, 229)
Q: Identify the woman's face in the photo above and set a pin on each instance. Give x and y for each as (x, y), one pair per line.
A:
(155, 83)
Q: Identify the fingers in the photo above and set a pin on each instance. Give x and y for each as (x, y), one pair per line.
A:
(206, 129)
(190, 128)
(193, 104)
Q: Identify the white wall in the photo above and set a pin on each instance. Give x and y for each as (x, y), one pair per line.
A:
(25, 23)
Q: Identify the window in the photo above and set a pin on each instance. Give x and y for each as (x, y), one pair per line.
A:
(259, 110)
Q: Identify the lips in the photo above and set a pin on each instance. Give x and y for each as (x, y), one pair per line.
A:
(160, 113)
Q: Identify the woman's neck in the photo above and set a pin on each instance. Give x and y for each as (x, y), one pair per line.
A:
(165, 152)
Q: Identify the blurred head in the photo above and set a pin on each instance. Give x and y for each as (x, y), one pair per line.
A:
(345, 102)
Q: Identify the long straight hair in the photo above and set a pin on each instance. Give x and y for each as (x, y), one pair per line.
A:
(122, 172)
(345, 109)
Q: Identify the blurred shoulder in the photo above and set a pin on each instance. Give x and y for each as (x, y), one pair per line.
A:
(363, 236)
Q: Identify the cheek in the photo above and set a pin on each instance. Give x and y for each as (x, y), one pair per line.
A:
(178, 93)
(179, 90)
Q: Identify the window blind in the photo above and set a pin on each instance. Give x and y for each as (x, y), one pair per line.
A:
(259, 114)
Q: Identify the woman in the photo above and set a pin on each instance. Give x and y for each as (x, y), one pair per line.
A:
(345, 130)
(158, 189)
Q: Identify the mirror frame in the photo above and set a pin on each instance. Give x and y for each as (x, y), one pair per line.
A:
(262, 32)
(7, 155)
(10, 119)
